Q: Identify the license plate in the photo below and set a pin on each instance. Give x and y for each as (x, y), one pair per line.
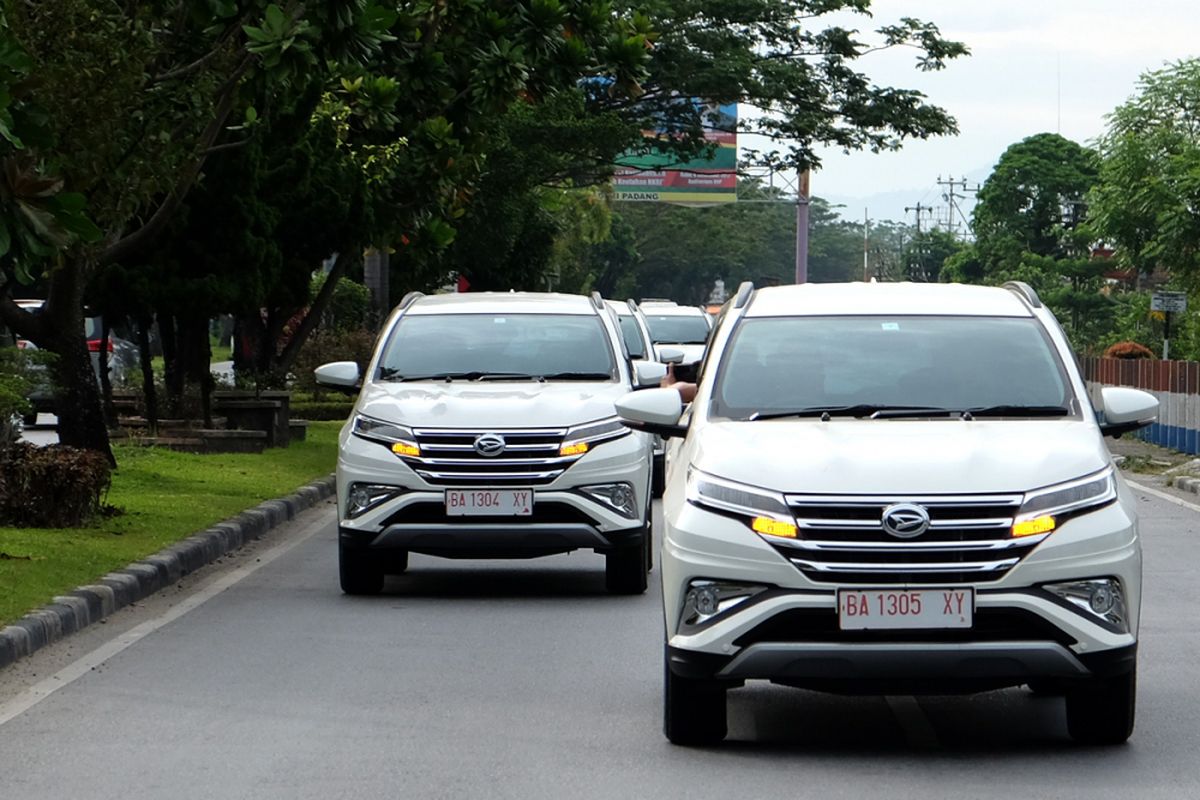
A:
(489, 502)
(890, 609)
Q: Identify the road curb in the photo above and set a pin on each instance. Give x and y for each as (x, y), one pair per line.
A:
(89, 604)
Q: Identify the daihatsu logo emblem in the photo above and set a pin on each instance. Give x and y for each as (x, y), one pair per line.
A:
(905, 520)
(489, 445)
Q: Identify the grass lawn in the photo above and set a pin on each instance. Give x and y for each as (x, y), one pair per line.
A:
(166, 496)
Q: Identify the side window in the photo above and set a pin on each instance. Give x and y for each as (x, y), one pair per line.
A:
(712, 334)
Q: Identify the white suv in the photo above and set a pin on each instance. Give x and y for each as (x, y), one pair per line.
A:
(485, 428)
(684, 328)
(896, 488)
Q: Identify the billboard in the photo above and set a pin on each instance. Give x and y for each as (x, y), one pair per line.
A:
(656, 177)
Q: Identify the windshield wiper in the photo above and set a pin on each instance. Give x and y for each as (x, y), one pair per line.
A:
(874, 411)
(577, 376)
(1016, 411)
(475, 375)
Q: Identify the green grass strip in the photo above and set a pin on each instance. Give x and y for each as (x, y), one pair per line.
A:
(166, 496)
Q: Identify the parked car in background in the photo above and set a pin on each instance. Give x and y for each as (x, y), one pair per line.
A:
(485, 428)
(120, 357)
(684, 328)
(896, 489)
(632, 322)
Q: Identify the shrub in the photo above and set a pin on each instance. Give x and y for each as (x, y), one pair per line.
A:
(325, 346)
(51, 487)
(1128, 350)
(322, 410)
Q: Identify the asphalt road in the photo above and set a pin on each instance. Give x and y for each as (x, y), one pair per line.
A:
(258, 679)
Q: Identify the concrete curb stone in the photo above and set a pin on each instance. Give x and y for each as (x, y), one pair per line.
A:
(87, 605)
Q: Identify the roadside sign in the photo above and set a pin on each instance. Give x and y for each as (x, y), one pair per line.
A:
(1173, 302)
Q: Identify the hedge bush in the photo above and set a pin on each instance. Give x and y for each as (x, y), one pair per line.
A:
(321, 410)
(52, 487)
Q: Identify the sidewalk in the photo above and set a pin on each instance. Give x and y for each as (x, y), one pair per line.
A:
(1150, 465)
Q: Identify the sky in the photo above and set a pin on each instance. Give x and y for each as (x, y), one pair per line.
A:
(1035, 66)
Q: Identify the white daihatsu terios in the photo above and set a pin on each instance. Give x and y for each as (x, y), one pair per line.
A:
(896, 488)
(485, 428)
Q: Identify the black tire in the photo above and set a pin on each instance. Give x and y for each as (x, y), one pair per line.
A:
(648, 540)
(397, 562)
(658, 476)
(625, 570)
(694, 711)
(1101, 711)
(1046, 688)
(361, 571)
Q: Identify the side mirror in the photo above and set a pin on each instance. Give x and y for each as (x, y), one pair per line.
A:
(339, 375)
(670, 355)
(1126, 410)
(653, 411)
(648, 374)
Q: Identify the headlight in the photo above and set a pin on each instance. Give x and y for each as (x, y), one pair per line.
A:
(399, 439)
(1044, 509)
(582, 438)
(764, 511)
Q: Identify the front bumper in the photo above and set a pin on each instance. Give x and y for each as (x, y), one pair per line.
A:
(790, 634)
(564, 518)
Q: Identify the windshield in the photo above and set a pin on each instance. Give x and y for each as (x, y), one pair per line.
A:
(860, 364)
(673, 329)
(633, 337)
(498, 346)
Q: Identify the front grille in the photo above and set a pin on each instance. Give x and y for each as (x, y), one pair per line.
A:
(530, 457)
(841, 539)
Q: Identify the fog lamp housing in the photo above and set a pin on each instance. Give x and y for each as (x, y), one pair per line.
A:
(620, 497)
(1100, 598)
(362, 497)
(707, 599)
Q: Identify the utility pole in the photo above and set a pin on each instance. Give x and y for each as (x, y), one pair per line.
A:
(866, 246)
(802, 198)
(952, 197)
(916, 271)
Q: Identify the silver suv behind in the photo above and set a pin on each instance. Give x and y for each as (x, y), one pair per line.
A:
(485, 428)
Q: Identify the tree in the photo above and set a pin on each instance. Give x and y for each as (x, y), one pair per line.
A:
(1029, 225)
(783, 58)
(1149, 190)
(926, 253)
(145, 94)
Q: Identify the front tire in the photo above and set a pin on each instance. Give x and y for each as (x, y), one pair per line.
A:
(625, 569)
(1101, 711)
(694, 711)
(658, 476)
(360, 571)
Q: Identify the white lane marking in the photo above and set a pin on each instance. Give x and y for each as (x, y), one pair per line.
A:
(76, 670)
(1170, 498)
(917, 727)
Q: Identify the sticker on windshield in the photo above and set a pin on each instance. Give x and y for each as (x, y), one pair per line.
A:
(890, 326)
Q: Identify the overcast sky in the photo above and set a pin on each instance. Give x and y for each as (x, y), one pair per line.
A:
(1035, 66)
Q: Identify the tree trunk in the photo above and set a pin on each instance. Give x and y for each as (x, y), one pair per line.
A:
(110, 414)
(172, 371)
(149, 393)
(315, 311)
(76, 395)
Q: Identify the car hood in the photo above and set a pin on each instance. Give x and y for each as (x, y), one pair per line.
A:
(901, 456)
(491, 404)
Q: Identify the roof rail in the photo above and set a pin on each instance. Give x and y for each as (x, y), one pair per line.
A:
(633, 306)
(1025, 291)
(743, 294)
(597, 301)
(410, 298)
